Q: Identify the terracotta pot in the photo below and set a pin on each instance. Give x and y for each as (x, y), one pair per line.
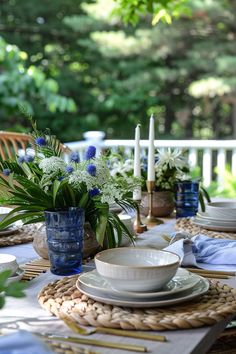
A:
(90, 244)
(163, 203)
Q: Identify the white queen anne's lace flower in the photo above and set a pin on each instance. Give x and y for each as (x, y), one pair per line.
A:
(52, 164)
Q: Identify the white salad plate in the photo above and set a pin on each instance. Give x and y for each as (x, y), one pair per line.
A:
(206, 216)
(214, 225)
(183, 280)
(199, 289)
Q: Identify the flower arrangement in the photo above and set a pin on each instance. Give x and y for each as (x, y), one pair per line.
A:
(171, 165)
(42, 180)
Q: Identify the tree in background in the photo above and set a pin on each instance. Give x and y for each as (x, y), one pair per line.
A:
(118, 75)
(22, 85)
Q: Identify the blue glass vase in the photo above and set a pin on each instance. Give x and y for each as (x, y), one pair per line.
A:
(186, 198)
(65, 231)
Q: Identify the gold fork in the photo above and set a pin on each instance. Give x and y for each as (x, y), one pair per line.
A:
(117, 332)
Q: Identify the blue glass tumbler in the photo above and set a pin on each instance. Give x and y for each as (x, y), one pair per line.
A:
(186, 198)
(65, 231)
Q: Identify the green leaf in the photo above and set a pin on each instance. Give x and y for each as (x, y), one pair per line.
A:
(15, 289)
(4, 275)
(101, 228)
(2, 301)
(56, 187)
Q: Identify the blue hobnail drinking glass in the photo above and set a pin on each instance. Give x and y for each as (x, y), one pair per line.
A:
(65, 231)
(186, 198)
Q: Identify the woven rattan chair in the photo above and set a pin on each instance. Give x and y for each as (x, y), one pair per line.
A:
(11, 143)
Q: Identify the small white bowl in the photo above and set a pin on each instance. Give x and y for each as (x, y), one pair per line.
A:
(3, 212)
(222, 210)
(137, 269)
(8, 261)
(127, 221)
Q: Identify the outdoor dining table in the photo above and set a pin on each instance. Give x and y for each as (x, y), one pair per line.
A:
(188, 341)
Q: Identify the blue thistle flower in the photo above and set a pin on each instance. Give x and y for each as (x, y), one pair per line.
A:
(69, 169)
(29, 158)
(21, 159)
(91, 169)
(60, 178)
(40, 141)
(6, 172)
(90, 153)
(93, 192)
(74, 157)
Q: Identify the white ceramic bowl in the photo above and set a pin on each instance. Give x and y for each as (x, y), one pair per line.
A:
(137, 269)
(3, 212)
(8, 261)
(127, 221)
(222, 210)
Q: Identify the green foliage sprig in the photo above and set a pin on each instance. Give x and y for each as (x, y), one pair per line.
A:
(14, 289)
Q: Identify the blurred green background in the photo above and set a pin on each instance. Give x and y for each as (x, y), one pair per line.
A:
(77, 68)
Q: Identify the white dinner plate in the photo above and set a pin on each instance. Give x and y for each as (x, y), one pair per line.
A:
(214, 225)
(206, 216)
(183, 280)
(199, 289)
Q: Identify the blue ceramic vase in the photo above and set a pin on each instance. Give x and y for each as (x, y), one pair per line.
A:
(65, 231)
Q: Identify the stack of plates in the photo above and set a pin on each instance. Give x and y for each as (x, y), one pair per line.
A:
(219, 216)
(183, 287)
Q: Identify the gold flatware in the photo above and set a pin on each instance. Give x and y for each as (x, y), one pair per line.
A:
(68, 348)
(220, 272)
(95, 342)
(113, 331)
(213, 276)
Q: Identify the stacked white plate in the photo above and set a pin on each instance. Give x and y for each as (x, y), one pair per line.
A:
(183, 287)
(219, 216)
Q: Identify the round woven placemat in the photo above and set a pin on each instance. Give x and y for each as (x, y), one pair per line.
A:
(24, 234)
(62, 295)
(186, 224)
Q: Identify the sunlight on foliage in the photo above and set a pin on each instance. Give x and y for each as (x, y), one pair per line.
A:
(210, 87)
(116, 43)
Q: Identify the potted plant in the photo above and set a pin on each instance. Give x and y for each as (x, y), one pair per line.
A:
(42, 186)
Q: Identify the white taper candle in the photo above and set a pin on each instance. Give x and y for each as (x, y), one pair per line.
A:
(151, 152)
(137, 166)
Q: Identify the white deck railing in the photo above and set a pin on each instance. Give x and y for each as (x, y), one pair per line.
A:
(207, 154)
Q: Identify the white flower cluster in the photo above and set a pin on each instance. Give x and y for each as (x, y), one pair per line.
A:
(52, 165)
(171, 159)
(81, 175)
(122, 167)
(170, 166)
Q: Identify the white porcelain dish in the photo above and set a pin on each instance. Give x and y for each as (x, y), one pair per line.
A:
(222, 210)
(183, 280)
(127, 221)
(8, 261)
(213, 225)
(199, 289)
(3, 212)
(136, 269)
(18, 275)
(205, 216)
